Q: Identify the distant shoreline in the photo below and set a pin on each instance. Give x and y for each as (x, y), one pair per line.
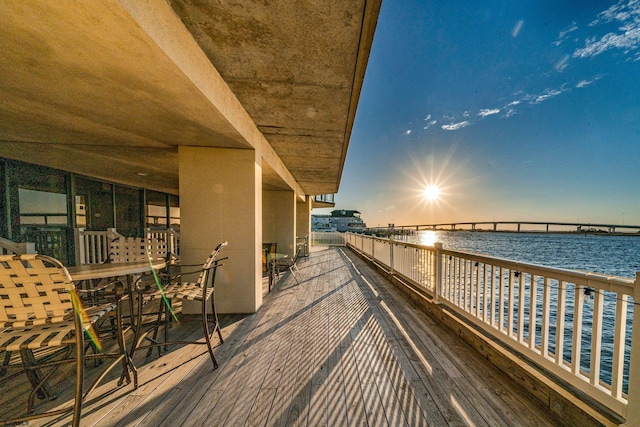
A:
(405, 232)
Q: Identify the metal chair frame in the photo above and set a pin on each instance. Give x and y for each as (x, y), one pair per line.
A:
(290, 263)
(37, 311)
(174, 287)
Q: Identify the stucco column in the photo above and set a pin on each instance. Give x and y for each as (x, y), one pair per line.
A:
(303, 217)
(221, 199)
(279, 220)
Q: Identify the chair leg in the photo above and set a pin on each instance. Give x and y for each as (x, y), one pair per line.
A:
(205, 329)
(127, 363)
(77, 405)
(39, 382)
(161, 309)
(168, 318)
(216, 326)
(293, 272)
(137, 329)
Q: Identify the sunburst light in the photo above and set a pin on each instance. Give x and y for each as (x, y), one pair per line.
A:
(431, 192)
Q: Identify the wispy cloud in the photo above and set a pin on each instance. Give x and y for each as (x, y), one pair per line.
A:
(626, 13)
(548, 93)
(562, 63)
(488, 112)
(629, 40)
(428, 117)
(564, 33)
(583, 83)
(431, 123)
(456, 126)
(510, 112)
(621, 11)
(407, 132)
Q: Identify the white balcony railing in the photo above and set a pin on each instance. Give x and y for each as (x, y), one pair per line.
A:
(170, 237)
(9, 247)
(92, 247)
(574, 324)
(327, 238)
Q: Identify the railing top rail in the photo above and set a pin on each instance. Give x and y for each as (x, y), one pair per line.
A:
(8, 244)
(596, 280)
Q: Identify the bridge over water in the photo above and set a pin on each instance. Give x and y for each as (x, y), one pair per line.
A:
(521, 226)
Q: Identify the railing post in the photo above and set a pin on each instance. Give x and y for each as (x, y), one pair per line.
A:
(373, 248)
(437, 286)
(79, 239)
(633, 404)
(391, 245)
(27, 248)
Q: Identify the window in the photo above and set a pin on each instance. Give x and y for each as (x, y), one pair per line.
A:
(94, 204)
(156, 209)
(174, 212)
(42, 207)
(128, 211)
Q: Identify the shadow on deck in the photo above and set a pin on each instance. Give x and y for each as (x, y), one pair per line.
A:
(341, 348)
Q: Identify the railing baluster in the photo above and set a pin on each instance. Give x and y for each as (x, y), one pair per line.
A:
(98, 245)
(456, 283)
(521, 306)
(562, 297)
(578, 313)
(501, 296)
(596, 338)
(533, 311)
(477, 287)
(633, 415)
(511, 303)
(462, 292)
(546, 304)
(620, 333)
(486, 282)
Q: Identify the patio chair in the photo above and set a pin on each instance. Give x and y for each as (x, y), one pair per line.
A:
(131, 249)
(165, 288)
(38, 310)
(267, 249)
(290, 263)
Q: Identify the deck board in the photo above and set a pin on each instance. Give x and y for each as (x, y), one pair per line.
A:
(343, 347)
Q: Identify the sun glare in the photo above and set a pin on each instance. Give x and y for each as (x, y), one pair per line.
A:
(431, 192)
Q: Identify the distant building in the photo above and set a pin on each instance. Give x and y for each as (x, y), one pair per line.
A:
(339, 220)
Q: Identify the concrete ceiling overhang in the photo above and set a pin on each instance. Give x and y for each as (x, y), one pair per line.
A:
(110, 89)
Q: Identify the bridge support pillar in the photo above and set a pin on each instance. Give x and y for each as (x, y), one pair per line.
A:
(519, 228)
(495, 226)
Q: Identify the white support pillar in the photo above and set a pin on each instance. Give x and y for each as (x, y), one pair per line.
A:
(279, 220)
(303, 217)
(221, 199)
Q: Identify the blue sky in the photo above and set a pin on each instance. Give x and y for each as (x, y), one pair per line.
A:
(526, 110)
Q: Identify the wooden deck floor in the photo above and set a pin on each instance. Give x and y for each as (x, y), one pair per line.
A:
(340, 348)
